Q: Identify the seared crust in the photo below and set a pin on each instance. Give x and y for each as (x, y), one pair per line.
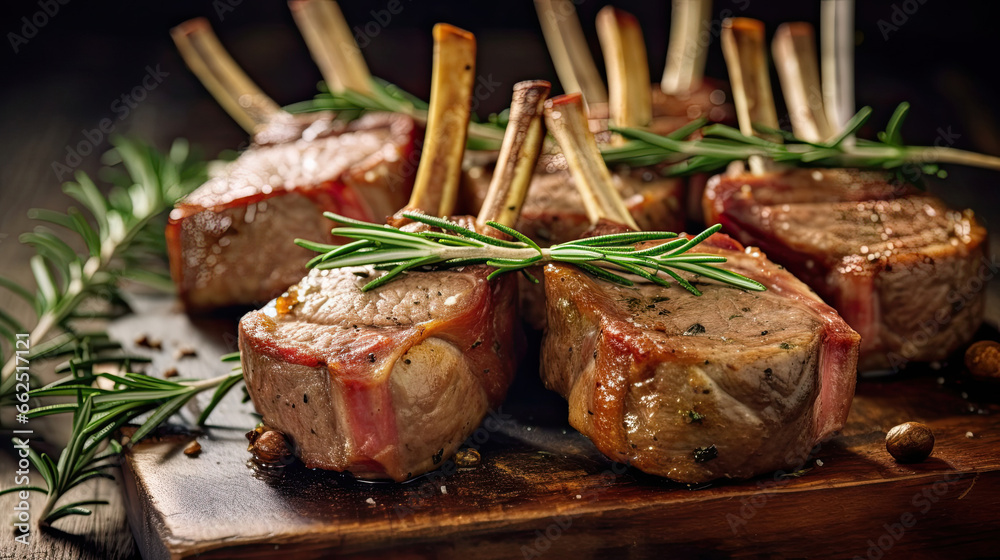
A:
(397, 378)
(730, 384)
(231, 241)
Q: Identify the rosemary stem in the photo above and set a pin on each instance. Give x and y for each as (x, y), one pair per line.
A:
(45, 324)
(199, 386)
(78, 288)
(50, 501)
(952, 155)
(52, 318)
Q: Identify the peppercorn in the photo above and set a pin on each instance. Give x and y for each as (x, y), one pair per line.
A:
(910, 442)
(466, 458)
(983, 359)
(193, 449)
(271, 447)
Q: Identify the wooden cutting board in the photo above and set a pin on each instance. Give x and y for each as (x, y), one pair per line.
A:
(543, 489)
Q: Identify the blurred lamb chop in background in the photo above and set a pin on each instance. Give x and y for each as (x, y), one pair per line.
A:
(230, 241)
(890, 258)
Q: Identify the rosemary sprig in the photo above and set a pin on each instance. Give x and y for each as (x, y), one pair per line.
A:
(723, 144)
(119, 242)
(390, 97)
(604, 256)
(717, 145)
(122, 239)
(97, 414)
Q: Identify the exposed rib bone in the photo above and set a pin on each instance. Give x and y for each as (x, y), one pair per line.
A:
(331, 44)
(568, 48)
(438, 175)
(837, 36)
(223, 78)
(630, 100)
(522, 142)
(566, 120)
(746, 59)
(794, 48)
(686, 52)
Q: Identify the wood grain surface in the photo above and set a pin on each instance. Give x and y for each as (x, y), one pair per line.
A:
(543, 488)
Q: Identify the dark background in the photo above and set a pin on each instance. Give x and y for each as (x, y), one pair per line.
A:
(942, 59)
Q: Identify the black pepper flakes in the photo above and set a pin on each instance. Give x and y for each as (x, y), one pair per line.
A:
(371, 357)
(694, 329)
(705, 454)
(438, 456)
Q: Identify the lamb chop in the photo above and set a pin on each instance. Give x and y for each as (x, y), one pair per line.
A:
(386, 384)
(730, 384)
(889, 257)
(230, 240)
